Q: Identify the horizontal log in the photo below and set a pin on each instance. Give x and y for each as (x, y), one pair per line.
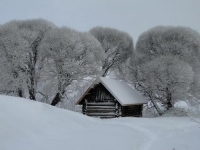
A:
(101, 104)
(104, 117)
(100, 111)
(101, 114)
(101, 107)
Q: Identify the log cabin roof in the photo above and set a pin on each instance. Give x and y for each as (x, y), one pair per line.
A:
(122, 92)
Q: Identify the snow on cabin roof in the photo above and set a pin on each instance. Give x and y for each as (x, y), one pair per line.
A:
(124, 94)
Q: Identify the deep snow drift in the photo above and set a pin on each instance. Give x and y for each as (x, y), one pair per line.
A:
(29, 125)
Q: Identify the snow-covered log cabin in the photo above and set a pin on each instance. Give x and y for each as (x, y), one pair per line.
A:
(110, 98)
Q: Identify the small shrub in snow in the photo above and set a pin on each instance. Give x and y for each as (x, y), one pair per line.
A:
(176, 112)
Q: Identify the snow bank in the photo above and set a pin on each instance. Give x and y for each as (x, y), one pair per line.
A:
(30, 125)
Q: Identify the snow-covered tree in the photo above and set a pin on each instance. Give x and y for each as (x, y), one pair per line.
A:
(118, 47)
(181, 42)
(32, 32)
(167, 78)
(72, 55)
(162, 50)
(19, 47)
(12, 56)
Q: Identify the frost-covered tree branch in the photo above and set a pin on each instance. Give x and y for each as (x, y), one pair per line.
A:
(118, 47)
(74, 55)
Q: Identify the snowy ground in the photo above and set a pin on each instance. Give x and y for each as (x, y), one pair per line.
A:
(29, 125)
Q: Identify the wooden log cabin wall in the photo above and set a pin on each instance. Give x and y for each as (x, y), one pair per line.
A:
(98, 101)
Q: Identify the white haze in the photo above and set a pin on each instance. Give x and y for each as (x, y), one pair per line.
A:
(132, 16)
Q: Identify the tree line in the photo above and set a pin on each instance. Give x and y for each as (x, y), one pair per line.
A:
(40, 60)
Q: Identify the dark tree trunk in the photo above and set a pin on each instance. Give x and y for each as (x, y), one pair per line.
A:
(32, 95)
(32, 65)
(19, 90)
(56, 99)
(20, 93)
(160, 112)
(107, 65)
(169, 99)
(105, 72)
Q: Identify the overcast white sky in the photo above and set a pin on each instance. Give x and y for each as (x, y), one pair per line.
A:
(132, 16)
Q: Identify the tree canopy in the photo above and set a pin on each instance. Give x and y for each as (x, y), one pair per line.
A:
(118, 47)
(166, 63)
(40, 61)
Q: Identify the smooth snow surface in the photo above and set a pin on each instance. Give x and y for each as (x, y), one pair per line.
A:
(30, 125)
(123, 92)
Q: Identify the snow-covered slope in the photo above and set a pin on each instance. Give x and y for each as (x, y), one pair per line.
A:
(29, 125)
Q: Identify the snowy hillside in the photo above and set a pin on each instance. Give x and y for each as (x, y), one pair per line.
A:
(30, 125)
